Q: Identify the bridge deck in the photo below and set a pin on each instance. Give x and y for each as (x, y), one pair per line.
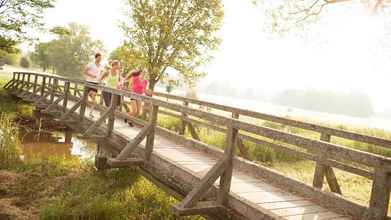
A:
(255, 190)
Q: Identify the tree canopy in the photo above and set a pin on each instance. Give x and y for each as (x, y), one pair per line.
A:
(285, 15)
(72, 49)
(16, 17)
(175, 35)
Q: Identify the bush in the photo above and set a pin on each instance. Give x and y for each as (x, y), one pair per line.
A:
(24, 62)
(8, 58)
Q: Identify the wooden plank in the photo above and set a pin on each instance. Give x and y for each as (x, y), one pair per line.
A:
(317, 216)
(202, 208)
(125, 163)
(267, 197)
(314, 209)
(283, 205)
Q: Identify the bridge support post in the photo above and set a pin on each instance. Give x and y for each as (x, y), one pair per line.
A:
(182, 129)
(83, 104)
(243, 150)
(322, 171)
(53, 90)
(380, 195)
(43, 86)
(151, 134)
(66, 96)
(115, 99)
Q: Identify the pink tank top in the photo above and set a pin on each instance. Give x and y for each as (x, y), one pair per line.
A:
(138, 85)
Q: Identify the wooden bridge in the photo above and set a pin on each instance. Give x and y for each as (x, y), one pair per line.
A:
(208, 181)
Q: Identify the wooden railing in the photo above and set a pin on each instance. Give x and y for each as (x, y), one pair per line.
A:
(54, 90)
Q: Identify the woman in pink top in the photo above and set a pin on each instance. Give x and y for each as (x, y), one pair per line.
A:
(138, 86)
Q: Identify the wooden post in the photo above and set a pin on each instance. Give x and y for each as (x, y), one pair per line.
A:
(226, 177)
(43, 86)
(151, 134)
(28, 80)
(182, 129)
(75, 89)
(322, 171)
(22, 82)
(16, 84)
(53, 90)
(242, 148)
(66, 96)
(35, 84)
(83, 105)
(380, 195)
(113, 107)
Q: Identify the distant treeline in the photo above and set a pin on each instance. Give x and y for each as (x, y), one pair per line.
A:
(352, 104)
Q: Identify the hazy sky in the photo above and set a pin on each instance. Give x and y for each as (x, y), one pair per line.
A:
(343, 53)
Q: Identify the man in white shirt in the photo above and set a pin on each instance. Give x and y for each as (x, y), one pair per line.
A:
(92, 73)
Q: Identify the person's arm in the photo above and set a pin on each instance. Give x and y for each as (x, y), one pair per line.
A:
(104, 75)
(87, 71)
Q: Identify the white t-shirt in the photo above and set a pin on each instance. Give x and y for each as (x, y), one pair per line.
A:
(95, 70)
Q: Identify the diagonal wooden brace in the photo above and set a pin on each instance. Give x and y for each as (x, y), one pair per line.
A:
(54, 104)
(70, 111)
(98, 122)
(132, 145)
(204, 185)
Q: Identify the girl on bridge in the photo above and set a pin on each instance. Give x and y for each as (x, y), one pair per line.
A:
(137, 86)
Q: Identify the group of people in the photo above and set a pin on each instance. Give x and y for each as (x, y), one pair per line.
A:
(111, 76)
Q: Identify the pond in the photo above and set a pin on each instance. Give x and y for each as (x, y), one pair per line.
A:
(41, 137)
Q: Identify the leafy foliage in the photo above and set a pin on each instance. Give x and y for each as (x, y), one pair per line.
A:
(69, 53)
(175, 35)
(16, 17)
(286, 15)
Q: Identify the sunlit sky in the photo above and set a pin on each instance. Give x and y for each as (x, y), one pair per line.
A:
(344, 52)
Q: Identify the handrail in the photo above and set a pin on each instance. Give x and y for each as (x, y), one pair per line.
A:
(337, 151)
(286, 121)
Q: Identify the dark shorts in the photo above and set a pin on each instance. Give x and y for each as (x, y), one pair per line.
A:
(89, 89)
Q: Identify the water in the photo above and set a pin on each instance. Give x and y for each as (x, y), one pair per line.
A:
(53, 140)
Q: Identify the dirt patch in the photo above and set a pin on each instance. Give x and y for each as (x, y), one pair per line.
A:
(22, 194)
(11, 206)
(9, 211)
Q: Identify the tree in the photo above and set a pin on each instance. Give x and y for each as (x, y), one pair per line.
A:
(69, 52)
(24, 62)
(175, 35)
(17, 17)
(286, 15)
(40, 56)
